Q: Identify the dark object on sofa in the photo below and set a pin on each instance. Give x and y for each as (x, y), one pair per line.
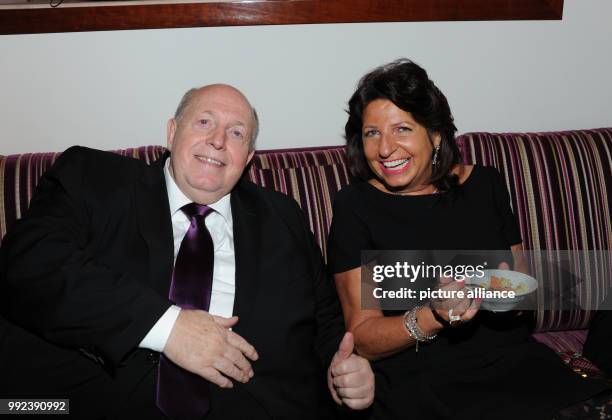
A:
(598, 344)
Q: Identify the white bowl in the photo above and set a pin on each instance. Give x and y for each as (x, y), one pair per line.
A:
(516, 278)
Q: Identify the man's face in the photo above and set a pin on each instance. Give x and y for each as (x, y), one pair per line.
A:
(210, 143)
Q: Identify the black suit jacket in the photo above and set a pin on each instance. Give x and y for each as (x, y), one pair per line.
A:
(86, 273)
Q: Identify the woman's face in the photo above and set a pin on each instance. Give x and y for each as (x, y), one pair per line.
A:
(397, 148)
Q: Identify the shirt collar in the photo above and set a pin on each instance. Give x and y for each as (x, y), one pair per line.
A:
(177, 199)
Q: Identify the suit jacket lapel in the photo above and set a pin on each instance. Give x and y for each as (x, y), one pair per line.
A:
(247, 233)
(153, 212)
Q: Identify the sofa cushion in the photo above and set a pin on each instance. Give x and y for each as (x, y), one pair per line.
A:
(558, 184)
(568, 345)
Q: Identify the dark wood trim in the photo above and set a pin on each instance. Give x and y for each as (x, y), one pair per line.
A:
(556, 7)
(268, 12)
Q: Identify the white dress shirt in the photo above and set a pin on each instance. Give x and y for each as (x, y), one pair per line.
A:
(220, 226)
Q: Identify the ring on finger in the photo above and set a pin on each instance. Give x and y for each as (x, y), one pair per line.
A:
(454, 320)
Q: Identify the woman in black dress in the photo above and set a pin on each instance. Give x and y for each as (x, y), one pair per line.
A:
(412, 193)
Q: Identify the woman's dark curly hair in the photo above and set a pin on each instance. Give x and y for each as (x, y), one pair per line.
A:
(407, 85)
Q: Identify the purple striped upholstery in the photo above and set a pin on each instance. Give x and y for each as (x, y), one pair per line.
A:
(311, 176)
(562, 341)
(568, 344)
(558, 184)
(19, 176)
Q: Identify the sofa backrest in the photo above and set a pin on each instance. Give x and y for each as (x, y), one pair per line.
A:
(559, 185)
(311, 176)
(19, 175)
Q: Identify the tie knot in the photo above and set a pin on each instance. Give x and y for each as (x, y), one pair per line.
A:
(192, 210)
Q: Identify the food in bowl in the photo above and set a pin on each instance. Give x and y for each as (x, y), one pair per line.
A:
(499, 281)
(504, 284)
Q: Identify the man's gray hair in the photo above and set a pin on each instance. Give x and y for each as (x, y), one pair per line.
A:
(186, 101)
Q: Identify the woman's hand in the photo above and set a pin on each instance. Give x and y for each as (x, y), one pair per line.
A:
(455, 306)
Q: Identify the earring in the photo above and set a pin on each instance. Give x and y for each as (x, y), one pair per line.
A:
(434, 161)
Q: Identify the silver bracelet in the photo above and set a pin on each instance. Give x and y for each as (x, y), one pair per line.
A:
(410, 322)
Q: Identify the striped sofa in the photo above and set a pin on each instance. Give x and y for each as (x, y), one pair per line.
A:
(560, 184)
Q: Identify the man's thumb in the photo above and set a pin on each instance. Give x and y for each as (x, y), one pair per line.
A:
(225, 322)
(346, 347)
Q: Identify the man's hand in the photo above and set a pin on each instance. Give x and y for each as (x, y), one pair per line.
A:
(350, 378)
(203, 344)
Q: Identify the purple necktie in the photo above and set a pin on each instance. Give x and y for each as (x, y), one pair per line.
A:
(182, 395)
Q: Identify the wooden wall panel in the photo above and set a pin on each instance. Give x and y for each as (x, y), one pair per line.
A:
(266, 12)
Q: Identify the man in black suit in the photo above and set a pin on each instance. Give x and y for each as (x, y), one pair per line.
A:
(86, 277)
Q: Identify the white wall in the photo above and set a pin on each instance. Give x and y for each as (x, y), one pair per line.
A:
(117, 89)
